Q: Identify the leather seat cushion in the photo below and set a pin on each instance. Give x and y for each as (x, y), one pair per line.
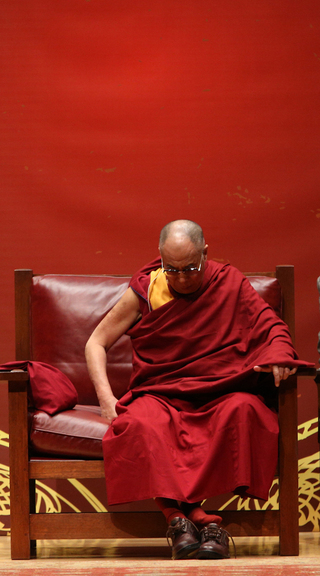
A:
(74, 433)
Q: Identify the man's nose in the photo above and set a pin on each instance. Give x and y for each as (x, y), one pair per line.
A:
(182, 277)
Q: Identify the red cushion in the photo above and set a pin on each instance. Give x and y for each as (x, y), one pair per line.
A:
(49, 390)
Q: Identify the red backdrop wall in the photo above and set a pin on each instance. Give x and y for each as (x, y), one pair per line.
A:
(120, 116)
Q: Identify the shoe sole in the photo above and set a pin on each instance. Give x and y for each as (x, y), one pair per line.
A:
(203, 555)
(187, 552)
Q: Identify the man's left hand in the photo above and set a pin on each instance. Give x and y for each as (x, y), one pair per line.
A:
(279, 372)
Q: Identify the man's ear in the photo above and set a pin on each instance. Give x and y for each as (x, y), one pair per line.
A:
(205, 251)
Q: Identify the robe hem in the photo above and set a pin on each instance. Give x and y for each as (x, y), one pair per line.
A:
(198, 498)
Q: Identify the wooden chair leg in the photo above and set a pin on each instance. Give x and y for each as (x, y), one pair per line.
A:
(317, 381)
(32, 495)
(19, 471)
(288, 472)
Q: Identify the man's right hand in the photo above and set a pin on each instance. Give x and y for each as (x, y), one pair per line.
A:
(108, 409)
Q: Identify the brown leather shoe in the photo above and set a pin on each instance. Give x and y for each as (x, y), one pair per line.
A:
(184, 537)
(214, 542)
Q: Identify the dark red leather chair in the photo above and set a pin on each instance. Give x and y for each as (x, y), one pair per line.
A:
(55, 314)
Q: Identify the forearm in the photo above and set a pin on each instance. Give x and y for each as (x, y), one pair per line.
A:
(108, 331)
(96, 358)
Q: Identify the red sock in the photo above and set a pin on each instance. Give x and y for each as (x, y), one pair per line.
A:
(198, 516)
(170, 508)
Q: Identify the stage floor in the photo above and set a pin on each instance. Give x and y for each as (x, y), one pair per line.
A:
(255, 556)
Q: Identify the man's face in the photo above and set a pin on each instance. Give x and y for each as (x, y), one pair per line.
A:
(181, 254)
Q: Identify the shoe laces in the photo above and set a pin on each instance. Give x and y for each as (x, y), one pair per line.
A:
(179, 527)
(214, 532)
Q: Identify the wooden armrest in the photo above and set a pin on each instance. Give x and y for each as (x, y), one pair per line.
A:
(305, 371)
(14, 376)
(317, 378)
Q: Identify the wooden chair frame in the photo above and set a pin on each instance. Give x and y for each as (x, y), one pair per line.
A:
(28, 526)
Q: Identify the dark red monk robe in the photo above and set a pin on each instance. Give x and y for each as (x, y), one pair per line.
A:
(193, 423)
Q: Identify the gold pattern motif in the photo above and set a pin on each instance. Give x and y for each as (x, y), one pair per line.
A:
(309, 489)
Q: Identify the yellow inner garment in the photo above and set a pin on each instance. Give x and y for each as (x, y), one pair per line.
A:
(159, 292)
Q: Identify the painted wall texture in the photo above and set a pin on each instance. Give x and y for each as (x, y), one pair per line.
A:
(119, 116)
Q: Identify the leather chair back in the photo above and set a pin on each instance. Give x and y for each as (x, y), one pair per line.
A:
(64, 312)
(65, 309)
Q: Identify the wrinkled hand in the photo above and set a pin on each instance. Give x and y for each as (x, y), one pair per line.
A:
(279, 372)
(108, 410)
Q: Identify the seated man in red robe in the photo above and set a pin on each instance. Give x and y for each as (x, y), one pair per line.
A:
(193, 423)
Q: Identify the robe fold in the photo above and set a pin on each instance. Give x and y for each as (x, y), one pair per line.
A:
(195, 421)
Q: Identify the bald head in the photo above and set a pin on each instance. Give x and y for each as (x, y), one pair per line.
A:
(183, 254)
(181, 230)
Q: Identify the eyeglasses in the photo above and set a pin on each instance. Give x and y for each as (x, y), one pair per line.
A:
(192, 270)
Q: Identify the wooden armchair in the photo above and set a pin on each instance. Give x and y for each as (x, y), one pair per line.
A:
(55, 315)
